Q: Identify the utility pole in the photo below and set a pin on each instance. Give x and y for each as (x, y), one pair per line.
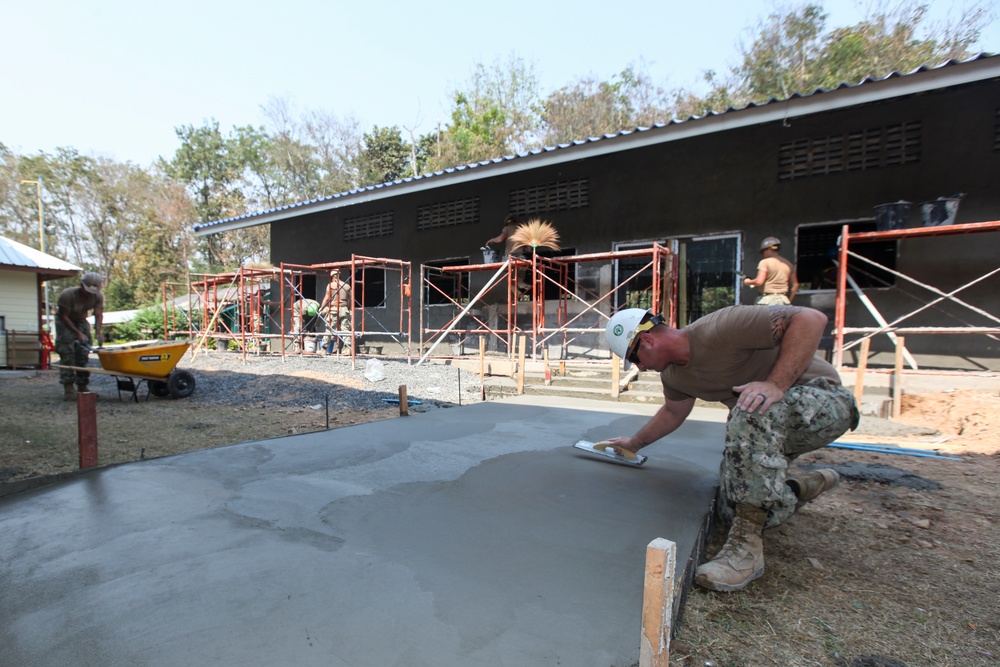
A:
(41, 247)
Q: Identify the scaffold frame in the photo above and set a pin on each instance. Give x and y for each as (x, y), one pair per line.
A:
(892, 328)
(210, 295)
(542, 271)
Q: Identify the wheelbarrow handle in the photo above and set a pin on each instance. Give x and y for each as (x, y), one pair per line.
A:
(87, 346)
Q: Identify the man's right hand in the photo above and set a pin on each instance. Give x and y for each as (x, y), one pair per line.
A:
(625, 443)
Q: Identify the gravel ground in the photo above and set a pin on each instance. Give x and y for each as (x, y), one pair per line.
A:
(296, 380)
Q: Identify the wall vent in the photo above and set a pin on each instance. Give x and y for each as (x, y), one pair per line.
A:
(873, 148)
(996, 131)
(557, 196)
(448, 214)
(368, 226)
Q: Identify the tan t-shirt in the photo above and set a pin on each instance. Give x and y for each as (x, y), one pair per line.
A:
(779, 271)
(76, 302)
(731, 347)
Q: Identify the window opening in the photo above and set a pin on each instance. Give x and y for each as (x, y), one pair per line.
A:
(638, 292)
(816, 255)
(370, 292)
(554, 278)
(441, 288)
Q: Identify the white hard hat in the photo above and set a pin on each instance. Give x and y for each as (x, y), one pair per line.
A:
(623, 327)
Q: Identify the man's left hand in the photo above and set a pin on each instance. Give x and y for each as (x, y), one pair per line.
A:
(758, 396)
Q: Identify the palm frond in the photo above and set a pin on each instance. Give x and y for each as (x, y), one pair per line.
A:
(535, 234)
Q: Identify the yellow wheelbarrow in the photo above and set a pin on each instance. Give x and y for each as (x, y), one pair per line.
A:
(152, 363)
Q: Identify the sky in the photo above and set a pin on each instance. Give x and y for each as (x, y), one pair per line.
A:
(116, 77)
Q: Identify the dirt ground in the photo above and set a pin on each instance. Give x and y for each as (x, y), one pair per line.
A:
(900, 571)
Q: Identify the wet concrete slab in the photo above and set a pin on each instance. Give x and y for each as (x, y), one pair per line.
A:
(464, 536)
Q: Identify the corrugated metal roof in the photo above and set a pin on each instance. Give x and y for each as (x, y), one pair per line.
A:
(925, 77)
(18, 255)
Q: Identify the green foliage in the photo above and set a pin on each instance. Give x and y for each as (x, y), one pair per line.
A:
(591, 108)
(386, 156)
(793, 52)
(499, 114)
(215, 169)
(146, 325)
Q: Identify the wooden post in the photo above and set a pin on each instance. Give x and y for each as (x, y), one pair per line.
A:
(521, 343)
(482, 359)
(404, 407)
(658, 603)
(897, 378)
(859, 374)
(548, 371)
(616, 375)
(86, 420)
(562, 367)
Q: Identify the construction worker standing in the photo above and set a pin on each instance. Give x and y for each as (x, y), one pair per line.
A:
(337, 311)
(776, 279)
(73, 330)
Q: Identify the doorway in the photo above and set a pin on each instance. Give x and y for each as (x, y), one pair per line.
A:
(708, 274)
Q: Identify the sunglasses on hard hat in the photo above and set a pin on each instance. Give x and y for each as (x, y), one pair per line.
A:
(633, 357)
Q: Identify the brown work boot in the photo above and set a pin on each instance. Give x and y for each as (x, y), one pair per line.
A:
(69, 394)
(741, 559)
(809, 486)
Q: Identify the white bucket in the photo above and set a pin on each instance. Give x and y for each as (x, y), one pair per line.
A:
(309, 345)
(490, 256)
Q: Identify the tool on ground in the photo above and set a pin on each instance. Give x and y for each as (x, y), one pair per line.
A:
(890, 449)
(605, 451)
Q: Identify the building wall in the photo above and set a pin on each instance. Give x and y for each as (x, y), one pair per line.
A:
(732, 181)
(18, 305)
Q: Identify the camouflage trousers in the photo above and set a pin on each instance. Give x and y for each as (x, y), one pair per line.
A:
(759, 447)
(72, 354)
(772, 300)
(337, 319)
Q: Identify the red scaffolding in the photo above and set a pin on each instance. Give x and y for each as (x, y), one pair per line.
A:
(232, 306)
(594, 309)
(893, 328)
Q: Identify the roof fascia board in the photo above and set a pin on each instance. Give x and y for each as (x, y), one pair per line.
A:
(840, 98)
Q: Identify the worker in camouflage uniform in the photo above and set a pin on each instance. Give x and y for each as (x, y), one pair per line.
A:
(784, 401)
(337, 312)
(73, 330)
(305, 318)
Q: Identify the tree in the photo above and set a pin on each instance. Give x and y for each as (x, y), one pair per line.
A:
(386, 157)
(212, 167)
(591, 108)
(792, 52)
(499, 114)
(317, 154)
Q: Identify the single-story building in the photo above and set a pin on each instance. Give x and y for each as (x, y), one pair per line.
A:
(884, 153)
(23, 272)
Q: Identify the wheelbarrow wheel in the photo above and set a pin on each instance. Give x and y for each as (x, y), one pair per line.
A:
(180, 384)
(159, 388)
